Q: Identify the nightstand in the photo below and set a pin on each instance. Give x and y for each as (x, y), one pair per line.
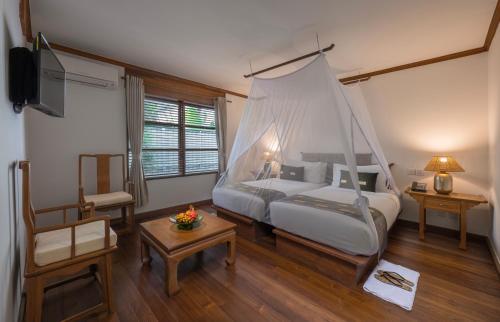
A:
(456, 203)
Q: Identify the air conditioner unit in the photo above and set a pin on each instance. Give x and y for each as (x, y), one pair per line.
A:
(88, 73)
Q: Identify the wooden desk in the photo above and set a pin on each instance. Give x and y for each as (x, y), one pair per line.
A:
(457, 203)
(174, 245)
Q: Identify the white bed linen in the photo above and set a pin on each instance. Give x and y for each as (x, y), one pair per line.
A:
(253, 206)
(336, 230)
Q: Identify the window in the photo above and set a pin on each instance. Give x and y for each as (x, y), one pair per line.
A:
(179, 139)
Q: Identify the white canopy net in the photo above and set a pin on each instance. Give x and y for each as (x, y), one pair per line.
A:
(307, 112)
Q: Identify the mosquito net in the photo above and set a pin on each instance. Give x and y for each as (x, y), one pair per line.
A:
(303, 116)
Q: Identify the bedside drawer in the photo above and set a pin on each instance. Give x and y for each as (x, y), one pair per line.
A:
(444, 205)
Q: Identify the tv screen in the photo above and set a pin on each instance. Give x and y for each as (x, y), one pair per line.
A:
(50, 81)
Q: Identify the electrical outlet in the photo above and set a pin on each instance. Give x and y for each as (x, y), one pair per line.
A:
(411, 172)
(419, 172)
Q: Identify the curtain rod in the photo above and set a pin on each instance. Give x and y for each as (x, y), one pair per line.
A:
(291, 61)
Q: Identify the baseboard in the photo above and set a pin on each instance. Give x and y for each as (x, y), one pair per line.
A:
(440, 230)
(494, 254)
(149, 215)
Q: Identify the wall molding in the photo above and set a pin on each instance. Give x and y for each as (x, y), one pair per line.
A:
(495, 20)
(25, 18)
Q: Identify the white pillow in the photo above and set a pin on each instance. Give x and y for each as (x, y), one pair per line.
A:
(314, 172)
(381, 178)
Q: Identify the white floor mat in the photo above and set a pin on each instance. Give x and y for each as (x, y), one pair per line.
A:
(391, 293)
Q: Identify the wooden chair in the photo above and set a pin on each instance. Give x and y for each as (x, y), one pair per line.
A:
(64, 250)
(105, 200)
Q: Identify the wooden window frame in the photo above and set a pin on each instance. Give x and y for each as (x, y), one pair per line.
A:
(181, 126)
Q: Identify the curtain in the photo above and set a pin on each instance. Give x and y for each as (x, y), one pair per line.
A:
(134, 89)
(221, 126)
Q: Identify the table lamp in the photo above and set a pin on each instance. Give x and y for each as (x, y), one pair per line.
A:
(443, 181)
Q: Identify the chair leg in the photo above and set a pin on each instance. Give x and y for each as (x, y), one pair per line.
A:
(124, 215)
(106, 283)
(130, 218)
(109, 282)
(34, 299)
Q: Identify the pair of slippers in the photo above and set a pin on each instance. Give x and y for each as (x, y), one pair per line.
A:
(394, 279)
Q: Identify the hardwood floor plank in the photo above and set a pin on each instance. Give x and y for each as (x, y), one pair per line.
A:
(266, 286)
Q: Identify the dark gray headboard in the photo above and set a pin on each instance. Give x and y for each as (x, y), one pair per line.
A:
(331, 158)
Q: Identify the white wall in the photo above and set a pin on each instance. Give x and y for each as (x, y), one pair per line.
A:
(494, 117)
(95, 122)
(11, 149)
(434, 109)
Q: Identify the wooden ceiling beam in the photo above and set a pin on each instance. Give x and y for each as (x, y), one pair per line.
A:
(495, 20)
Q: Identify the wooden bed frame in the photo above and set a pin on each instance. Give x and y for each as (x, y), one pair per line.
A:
(247, 227)
(336, 264)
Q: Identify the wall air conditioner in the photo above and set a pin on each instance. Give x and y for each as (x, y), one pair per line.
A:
(89, 73)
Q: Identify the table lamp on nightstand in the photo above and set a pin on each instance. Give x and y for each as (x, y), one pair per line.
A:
(443, 182)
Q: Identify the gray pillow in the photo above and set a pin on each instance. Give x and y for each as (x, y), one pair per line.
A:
(292, 173)
(367, 180)
(331, 158)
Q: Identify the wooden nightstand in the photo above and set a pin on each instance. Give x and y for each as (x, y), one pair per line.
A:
(457, 203)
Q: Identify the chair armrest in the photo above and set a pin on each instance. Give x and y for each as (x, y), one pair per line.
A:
(72, 226)
(89, 206)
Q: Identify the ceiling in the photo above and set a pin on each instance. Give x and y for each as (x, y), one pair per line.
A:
(213, 41)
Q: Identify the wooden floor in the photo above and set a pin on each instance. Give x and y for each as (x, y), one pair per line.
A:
(264, 286)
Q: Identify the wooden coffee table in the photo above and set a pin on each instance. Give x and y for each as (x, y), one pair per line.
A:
(174, 245)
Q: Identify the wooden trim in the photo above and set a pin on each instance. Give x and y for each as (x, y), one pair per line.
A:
(495, 20)
(366, 76)
(154, 214)
(137, 70)
(25, 17)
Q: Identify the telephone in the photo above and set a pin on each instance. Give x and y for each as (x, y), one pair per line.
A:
(419, 186)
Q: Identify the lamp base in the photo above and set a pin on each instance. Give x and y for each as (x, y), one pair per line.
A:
(443, 183)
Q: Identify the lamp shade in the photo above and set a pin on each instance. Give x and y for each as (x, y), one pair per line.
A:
(443, 164)
(268, 156)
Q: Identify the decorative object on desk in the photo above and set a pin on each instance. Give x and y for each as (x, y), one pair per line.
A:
(187, 220)
(443, 182)
(419, 186)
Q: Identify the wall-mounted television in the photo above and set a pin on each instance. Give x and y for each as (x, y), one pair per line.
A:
(50, 79)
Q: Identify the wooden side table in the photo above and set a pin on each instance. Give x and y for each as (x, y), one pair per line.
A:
(457, 203)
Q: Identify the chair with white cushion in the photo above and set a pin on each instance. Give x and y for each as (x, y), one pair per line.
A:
(104, 199)
(54, 253)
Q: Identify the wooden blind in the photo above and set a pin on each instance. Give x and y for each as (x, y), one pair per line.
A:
(179, 139)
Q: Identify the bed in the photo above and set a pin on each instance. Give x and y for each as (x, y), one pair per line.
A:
(235, 199)
(320, 224)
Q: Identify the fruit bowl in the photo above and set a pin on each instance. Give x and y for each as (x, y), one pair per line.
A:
(187, 220)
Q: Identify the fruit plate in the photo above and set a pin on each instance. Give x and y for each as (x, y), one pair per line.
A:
(190, 226)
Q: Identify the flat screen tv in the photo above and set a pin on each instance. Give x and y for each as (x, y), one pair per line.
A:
(50, 80)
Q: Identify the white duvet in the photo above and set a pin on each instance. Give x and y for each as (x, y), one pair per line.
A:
(336, 230)
(253, 206)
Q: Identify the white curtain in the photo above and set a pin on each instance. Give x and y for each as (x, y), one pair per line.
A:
(221, 126)
(307, 111)
(134, 89)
